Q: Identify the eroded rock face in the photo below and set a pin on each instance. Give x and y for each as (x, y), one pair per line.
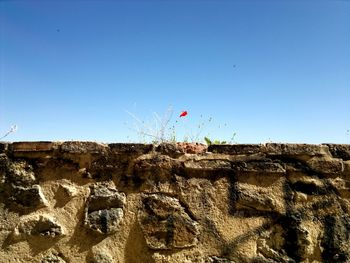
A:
(19, 185)
(53, 258)
(166, 224)
(38, 226)
(171, 203)
(336, 239)
(104, 209)
(215, 259)
(102, 257)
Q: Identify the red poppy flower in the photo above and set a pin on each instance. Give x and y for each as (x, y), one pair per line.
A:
(183, 114)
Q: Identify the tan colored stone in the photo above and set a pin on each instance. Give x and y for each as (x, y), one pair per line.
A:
(33, 146)
(326, 166)
(77, 147)
(207, 168)
(37, 226)
(296, 150)
(235, 149)
(88, 202)
(165, 223)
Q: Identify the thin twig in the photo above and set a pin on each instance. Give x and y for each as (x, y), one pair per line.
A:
(12, 129)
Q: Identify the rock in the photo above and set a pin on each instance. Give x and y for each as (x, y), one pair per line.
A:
(335, 245)
(77, 147)
(300, 197)
(130, 148)
(3, 147)
(342, 187)
(156, 167)
(310, 187)
(33, 146)
(326, 166)
(170, 149)
(207, 168)
(215, 259)
(191, 147)
(19, 186)
(102, 257)
(270, 245)
(4, 163)
(298, 151)
(341, 151)
(20, 173)
(28, 197)
(165, 223)
(68, 189)
(259, 167)
(347, 169)
(104, 209)
(235, 149)
(53, 258)
(105, 221)
(255, 200)
(37, 226)
(194, 257)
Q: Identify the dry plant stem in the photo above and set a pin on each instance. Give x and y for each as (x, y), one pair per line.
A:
(12, 130)
(158, 133)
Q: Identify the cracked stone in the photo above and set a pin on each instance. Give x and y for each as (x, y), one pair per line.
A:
(31, 197)
(215, 259)
(19, 186)
(327, 166)
(156, 167)
(40, 226)
(53, 258)
(102, 257)
(20, 173)
(165, 223)
(104, 209)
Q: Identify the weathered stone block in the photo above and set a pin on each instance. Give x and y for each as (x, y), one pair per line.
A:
(33, 146)
(156, 167)
(19, 185)
(235, 149)
(37, 226)
(248, 198)
(207, 168)
(77, 147)
(295, 150)
(215, 259)
(27, 197)
(340, 151)
(259, 167)
(53, 258)
(3, 147)
(170, 149)
(243, 203)
(104, 209)
(20, 173)
(102, 257)
(326, 166)
(335, 245)
(165, 223)
(131, 148)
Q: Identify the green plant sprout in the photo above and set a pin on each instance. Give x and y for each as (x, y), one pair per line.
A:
(210, 142)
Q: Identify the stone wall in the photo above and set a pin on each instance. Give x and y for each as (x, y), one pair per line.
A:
(89, 202)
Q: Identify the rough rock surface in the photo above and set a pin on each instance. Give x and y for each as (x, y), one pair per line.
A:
(104, 209)
(90, 202)
(37, 226)
(165, 223)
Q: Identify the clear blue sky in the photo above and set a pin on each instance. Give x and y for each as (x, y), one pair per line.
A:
(270, 70)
